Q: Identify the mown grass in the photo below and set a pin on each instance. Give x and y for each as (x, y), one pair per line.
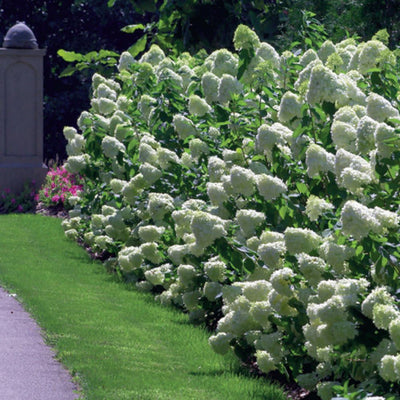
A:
(119, 343)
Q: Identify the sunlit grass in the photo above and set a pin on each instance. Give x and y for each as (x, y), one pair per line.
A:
(119, 343)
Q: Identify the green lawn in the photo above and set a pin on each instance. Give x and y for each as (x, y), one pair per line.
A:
(119, 343)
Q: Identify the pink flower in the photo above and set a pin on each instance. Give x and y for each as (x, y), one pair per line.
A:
(20, 208)
(55, 198)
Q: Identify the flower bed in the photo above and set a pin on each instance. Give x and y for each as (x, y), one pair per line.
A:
(258, 192)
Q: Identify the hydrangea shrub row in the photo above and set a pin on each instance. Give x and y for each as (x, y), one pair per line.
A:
(257, 191)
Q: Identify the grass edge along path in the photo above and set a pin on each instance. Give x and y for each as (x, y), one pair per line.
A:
(118, 342)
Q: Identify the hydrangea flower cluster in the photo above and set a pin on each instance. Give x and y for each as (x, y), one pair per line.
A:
(271, 203)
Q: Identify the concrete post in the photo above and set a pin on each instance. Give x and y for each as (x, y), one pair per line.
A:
(21, 111)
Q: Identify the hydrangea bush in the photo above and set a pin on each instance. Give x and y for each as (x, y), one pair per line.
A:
(258, 192)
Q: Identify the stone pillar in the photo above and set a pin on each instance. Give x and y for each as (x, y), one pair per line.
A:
(21, 110)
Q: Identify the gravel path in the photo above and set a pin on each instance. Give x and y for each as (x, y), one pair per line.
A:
(28, 369)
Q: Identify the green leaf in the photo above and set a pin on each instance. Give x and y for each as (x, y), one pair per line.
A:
(302, 188)
(132, 28)
(70, 56)
(111, 3)
(107, 53)
(138, 47)
(70, 70)
(245, 57)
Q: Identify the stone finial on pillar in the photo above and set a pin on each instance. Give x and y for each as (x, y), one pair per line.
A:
(21, 109)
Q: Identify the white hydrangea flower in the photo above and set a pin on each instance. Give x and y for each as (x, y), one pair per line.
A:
(304, 76)
(166, 158)
(232, 157)
(336, 255)
(365, 141)
(268, 53)
(171, 77)
(358, 220)
(69, 133)
(117, 185)
(147, 154)
(216, 168)
(183, 126)
(191, 300)
(387, 219)
(75, 164)
(130, 258)
(245, 38)
(227, 87)
(112, 146)
(299, 240)
(212, 290)
(75, 145)
(154, 56)
(71, 234)
(280, 304)
(206, 228)
(354, 95)
(103, 106)
(150, 252)
(159, 205)
(220, 342)
(311, 267)
(145, 105)
(198, 106)
(327, 48)
(177, 252)
(386, 140)
(156, 276)
(270, 187)
(380, 109)
(125, 61)
(394, 330)
(84, 120)
(150, 173)
(210, 84)
(216, 193)
(280, 280)
(198, 147)
(318, 160)
(97, 79)
(389, 368)
(270, 135)
(223, 62)
(150, 233)
(379, 295)
(186, 273)
(242, 180)
(369, 55)
(346, 163)
(133, 188)
(324, 85)
(309, 56)
(236, 322)
(249, 221)
(316, 206)
(290, 107)
(104, 91)
(344, 136)
(271, 253)
(384, 314)
(354, 180)
(215, 269)
(261, 311)
(265, 361)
